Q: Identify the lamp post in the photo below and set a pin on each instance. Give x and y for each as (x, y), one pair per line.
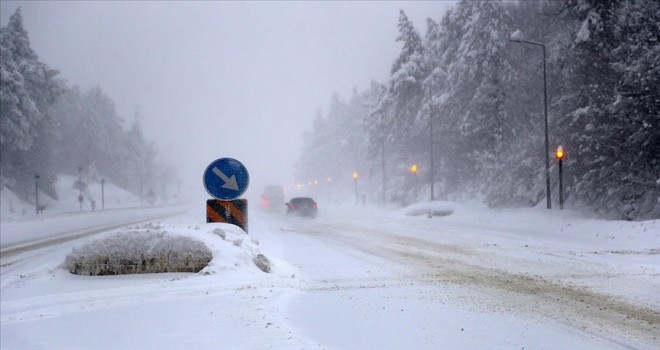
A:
(80, 196)
(560, 155)
(102, 194)
(382, 155)
(36, 192)
(355, 176)
(413, 170)
(431, 134)
(516, 37)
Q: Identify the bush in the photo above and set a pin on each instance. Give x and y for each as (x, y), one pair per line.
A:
(139, 252)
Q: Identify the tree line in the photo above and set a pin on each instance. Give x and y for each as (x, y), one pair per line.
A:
(466, 104)
(49, 128)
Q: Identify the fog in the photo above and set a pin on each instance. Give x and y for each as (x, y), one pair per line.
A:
(221, 79)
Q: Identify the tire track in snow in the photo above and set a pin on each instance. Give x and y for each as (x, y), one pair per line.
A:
(601, 315)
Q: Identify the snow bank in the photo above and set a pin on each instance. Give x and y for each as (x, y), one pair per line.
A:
(155, 248)
(435, 208)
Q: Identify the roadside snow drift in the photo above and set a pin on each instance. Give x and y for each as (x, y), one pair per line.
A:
(430, 209)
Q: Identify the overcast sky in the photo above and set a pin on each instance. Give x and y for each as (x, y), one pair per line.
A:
(221, 79)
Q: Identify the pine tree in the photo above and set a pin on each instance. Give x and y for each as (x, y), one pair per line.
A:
(27, 88)
(607, 120)
(401, 106)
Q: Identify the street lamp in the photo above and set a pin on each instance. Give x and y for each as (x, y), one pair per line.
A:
(355, 176)
(431, 137)
(80, 196)
(560, 155)
(414, 169)
(36, 192)
(102, 193)
(382, 158)
(517, 37)
(440, 74)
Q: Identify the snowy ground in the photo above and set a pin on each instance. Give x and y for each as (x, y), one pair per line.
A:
(354, 278)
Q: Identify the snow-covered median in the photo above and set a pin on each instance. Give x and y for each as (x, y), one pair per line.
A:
(155, 248)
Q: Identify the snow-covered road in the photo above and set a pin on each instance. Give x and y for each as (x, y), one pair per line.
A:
(556, 280)
(23, 236)
(356, 278)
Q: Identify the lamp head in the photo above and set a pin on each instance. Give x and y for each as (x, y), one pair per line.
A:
(560, 152)
(517, 36)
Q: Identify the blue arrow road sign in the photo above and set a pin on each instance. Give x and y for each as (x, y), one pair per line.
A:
(226, 179)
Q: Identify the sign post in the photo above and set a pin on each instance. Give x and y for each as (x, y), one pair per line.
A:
(226, 179)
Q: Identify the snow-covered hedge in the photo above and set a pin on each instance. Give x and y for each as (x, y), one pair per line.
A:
(139, 251)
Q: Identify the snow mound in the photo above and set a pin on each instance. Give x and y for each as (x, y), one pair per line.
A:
(139, 250)
(435, 208)
(153, 248)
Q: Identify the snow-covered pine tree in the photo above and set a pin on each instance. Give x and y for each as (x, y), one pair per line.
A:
(435, 87)
(484, 125)
(455, 172)
(613, 163)
(27, 88)
(376, 137)
(141, 157)
(637, 108)
(404, 99)
(620, 145)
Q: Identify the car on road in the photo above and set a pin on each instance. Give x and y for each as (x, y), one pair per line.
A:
(272, 198)
(302, 206)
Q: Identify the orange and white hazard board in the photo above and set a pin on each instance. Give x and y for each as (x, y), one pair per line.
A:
(230, 212)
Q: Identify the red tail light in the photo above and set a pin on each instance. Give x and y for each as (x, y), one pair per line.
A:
(292, 206)
(315, 206)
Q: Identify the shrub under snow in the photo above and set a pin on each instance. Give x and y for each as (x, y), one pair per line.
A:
(141, 250)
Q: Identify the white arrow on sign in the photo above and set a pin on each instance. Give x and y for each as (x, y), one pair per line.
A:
(230, 182)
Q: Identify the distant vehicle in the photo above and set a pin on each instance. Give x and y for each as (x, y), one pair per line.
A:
(302, 206)
(273, 198)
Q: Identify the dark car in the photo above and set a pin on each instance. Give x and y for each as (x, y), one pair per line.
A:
(302, 206)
